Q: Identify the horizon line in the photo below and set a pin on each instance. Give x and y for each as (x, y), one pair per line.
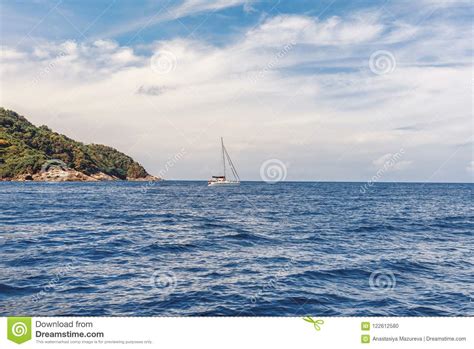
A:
(320, 181)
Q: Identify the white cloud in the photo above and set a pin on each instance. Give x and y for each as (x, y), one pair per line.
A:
(107, 45)
(190, 7)
(163, 14)
(306, 30)
(316, 105)
(10, 53)
(391, 161)
(124, 56)
(445, 3)
(400, 32)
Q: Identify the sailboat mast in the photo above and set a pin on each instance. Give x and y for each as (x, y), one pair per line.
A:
(223, 156)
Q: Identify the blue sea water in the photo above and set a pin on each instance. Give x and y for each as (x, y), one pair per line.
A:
(288, 249)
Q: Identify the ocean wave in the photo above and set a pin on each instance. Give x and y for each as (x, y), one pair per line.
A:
(285, 250)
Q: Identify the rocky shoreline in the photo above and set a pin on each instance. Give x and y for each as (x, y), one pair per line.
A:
(70, 175)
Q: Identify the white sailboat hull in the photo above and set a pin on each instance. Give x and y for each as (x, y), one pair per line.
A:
(222, 183)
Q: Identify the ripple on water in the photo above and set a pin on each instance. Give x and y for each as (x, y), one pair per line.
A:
(179, 248)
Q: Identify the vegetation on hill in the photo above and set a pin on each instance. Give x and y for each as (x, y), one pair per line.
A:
(25, 148)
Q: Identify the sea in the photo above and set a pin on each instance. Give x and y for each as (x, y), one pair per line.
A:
(180, 248)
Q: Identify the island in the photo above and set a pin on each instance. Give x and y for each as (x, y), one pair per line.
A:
(30, 153)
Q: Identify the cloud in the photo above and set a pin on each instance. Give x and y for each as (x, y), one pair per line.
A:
(190, 7)
(446, 3)
(470, 167)
(296, 88)
(152, 90)
(165, 13)
(391, 161)
(333, 31)
(10, 54)
(106, 45)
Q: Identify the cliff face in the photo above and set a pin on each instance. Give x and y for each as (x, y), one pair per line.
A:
(28, 152)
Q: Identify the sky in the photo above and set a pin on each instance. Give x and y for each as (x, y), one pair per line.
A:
(300, 90)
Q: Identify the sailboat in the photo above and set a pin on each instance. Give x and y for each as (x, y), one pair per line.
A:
(222, 180)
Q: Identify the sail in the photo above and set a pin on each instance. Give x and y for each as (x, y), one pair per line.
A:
(223, 155)
(232, 167)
